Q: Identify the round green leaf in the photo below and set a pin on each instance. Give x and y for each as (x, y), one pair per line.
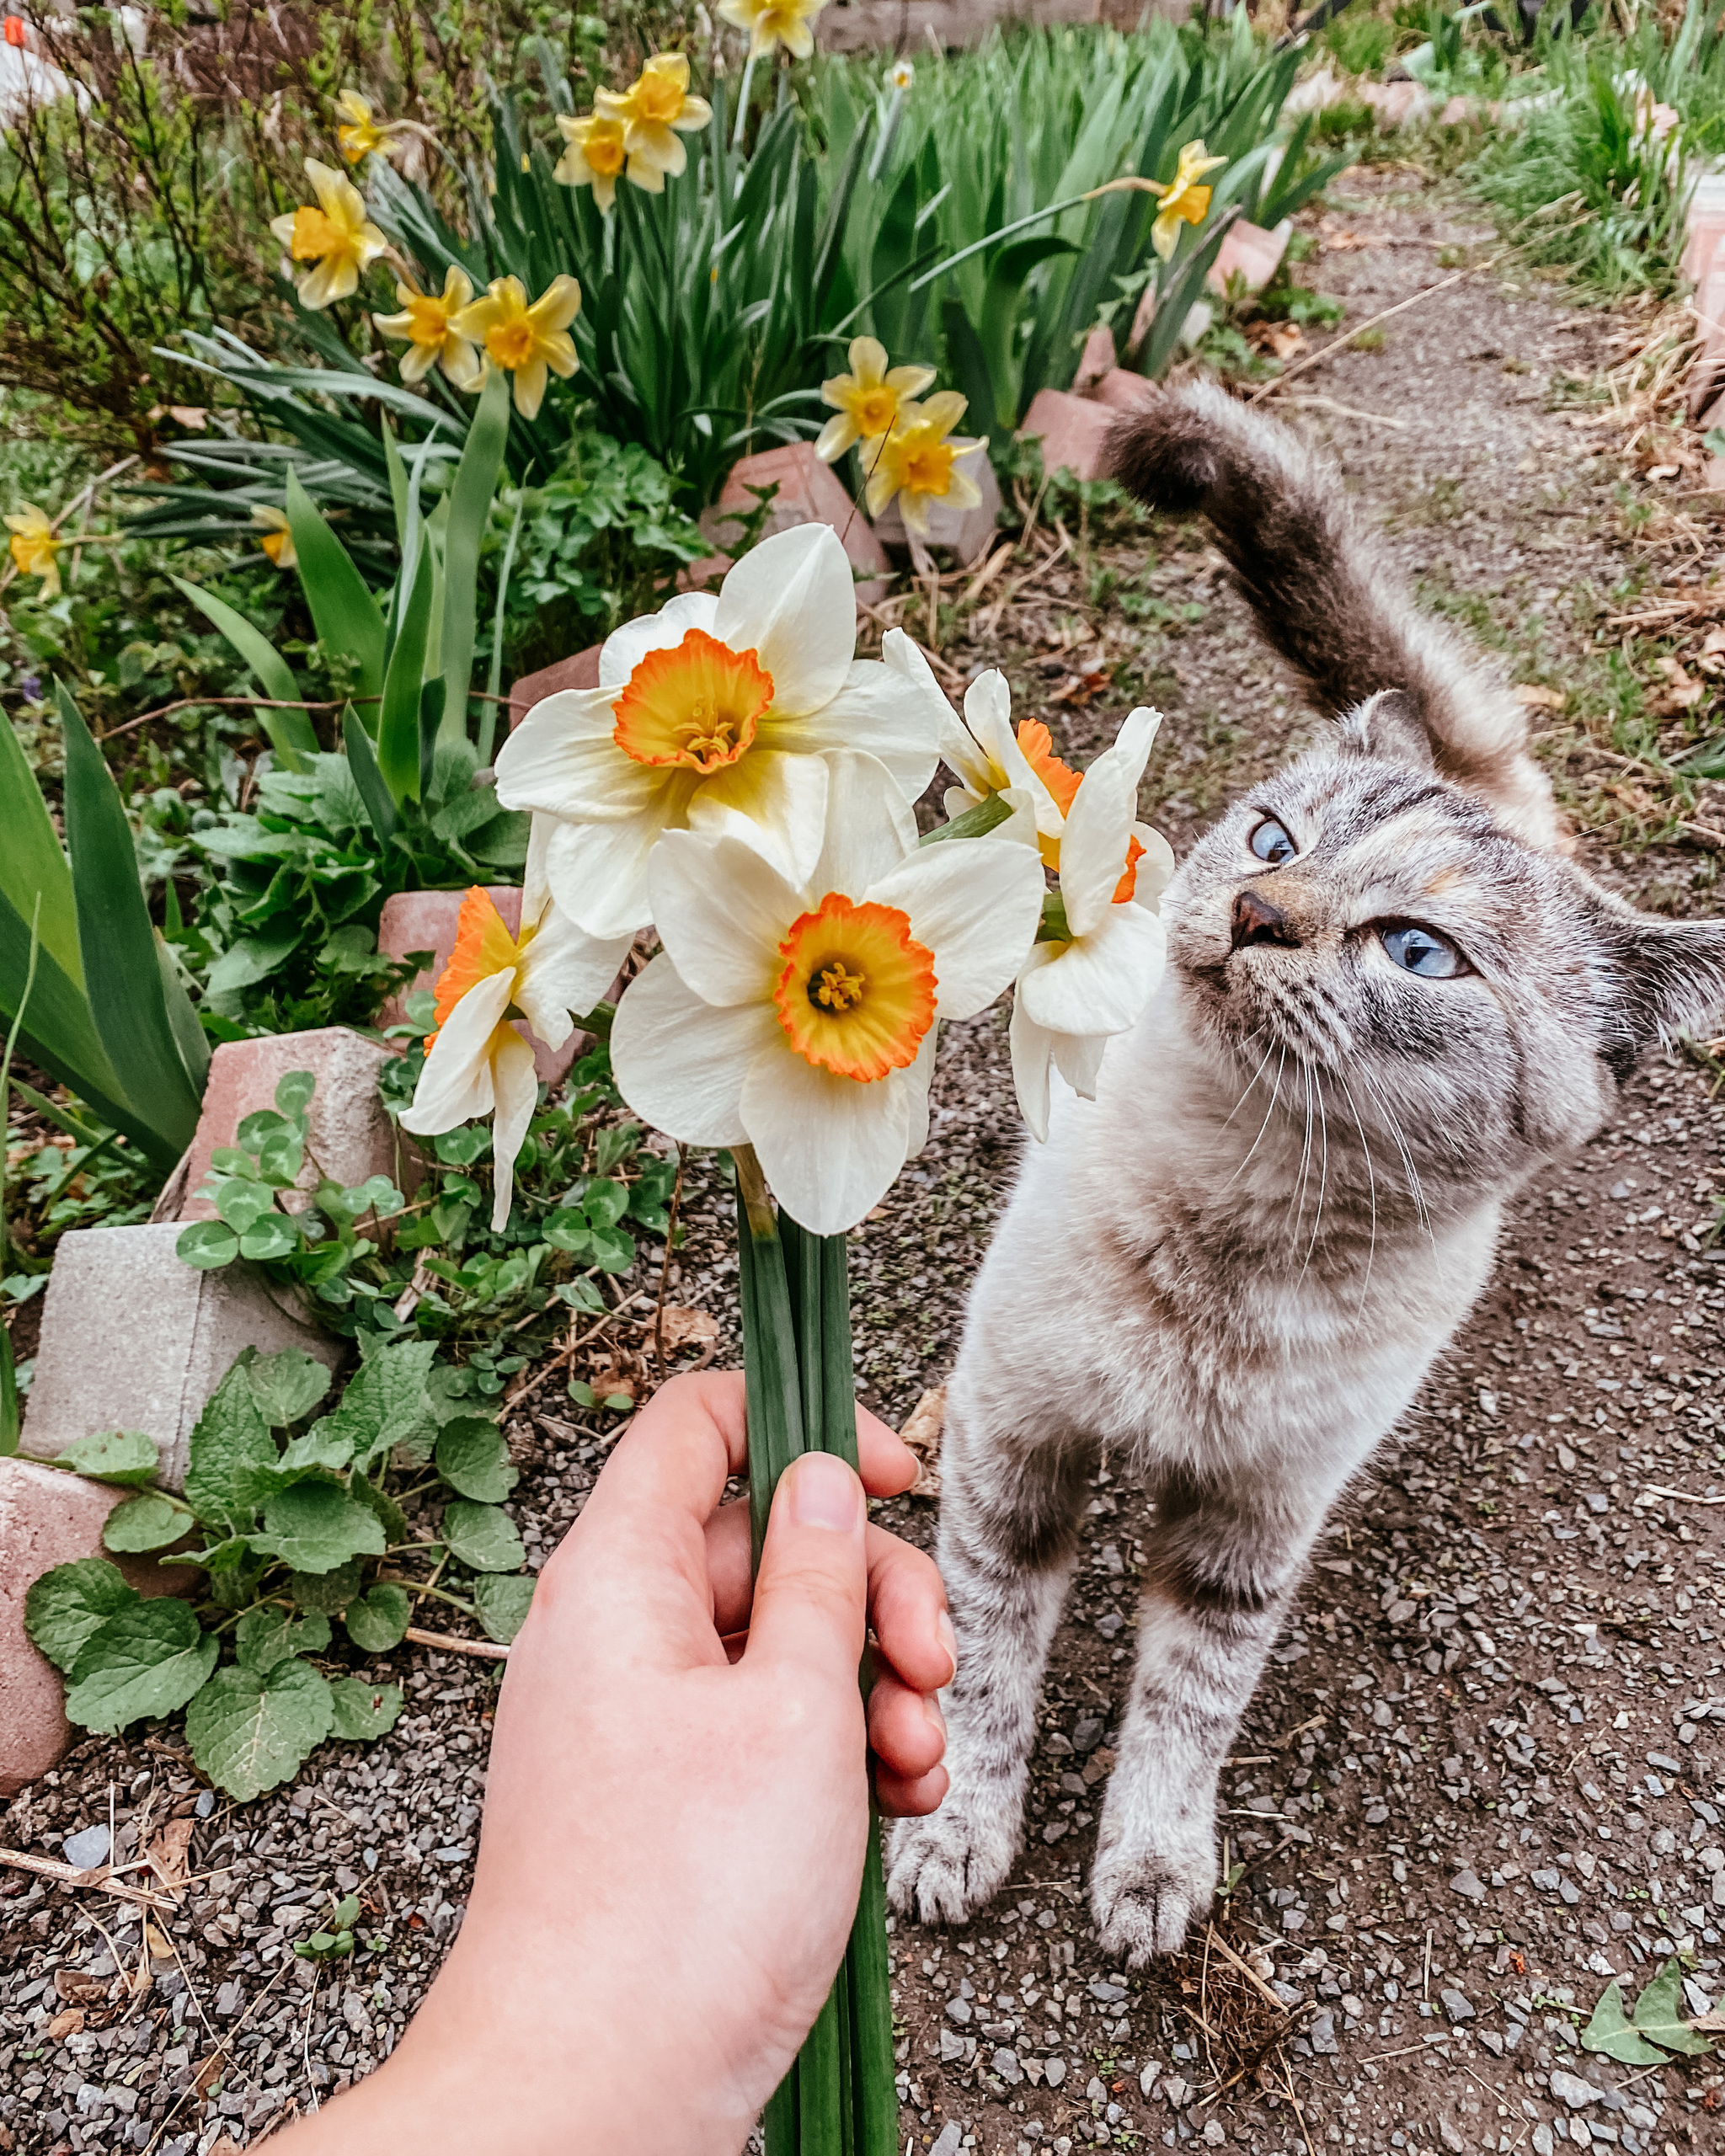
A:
(146, 1659)
(482, 1536)
(329, 1592)
(280, 1160)
(294, 1091)
(249, 1731)
(474, 1459)
(287, 1386)
(65, 1606)
(466, 1143)
(502, 1600)
(242, 1204)
(207, 1244)
(377, 1620)
(363, 1711)
(257, 1129)
(316, 1526)
(122, 1456)
(273, 1236)
(613, 1250)
(148, 1522)
(268, 1634)
(604, 1202)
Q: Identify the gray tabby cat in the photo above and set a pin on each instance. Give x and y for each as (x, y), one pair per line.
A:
(1390, 999)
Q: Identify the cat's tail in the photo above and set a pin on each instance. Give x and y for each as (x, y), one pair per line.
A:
(1306, 568)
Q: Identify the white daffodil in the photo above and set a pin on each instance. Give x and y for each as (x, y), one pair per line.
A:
(987, 756)
(716, 714)
(478, 1062)
(1096, 978)
(799, 1015)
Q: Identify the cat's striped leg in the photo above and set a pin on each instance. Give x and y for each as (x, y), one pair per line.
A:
(1010, 1502)
(1222, 1570)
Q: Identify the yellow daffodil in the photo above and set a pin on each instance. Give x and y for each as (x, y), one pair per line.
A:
(772, 23)
(35, 549)
(334, 236)
(869, 399)
(594, 156)
(427, 323)
(919, 465)
(656, 110)
(277, 537)
(525, 341)
(477, 1062)
(359, 134)
(1183, 200)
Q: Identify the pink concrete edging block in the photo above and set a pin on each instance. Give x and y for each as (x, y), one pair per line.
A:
(966, 532)
(1123, 391)
(1098, 359)
(1073, 431)
(809, 492)
(133, 1339)
(350, 1136)
(1251, 252)
(427, 920)
(49, 1518)
(579, 672)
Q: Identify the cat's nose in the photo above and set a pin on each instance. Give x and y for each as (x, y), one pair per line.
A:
(1258, 920)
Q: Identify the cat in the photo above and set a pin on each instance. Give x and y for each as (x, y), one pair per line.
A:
(1390, 999)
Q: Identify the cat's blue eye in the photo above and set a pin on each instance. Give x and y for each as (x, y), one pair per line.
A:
(1424, 952)
(1271, 843)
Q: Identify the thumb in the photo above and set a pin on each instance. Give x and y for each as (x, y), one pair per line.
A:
(811, 1604)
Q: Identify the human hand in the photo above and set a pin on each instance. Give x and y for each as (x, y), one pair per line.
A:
(676, 1816)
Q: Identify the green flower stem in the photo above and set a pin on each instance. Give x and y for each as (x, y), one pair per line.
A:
(839, 2098)
(437, 1594)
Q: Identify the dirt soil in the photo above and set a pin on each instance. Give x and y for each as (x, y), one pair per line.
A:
(1485, 1772)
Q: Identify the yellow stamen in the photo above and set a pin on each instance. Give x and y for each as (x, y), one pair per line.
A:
(858, 991)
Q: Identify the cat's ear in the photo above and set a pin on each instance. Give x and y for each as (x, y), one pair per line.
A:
(1667, 977)
(1389, 727)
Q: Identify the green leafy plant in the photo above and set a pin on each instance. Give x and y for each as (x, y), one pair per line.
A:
(1658, 2027)
(297, 1523)
(585, 1190)
(333, 1940)
(107, 1013)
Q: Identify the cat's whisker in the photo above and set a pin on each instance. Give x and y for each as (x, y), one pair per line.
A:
(1251, 1085)
(1323, 1180)
(1371, 1187)
(1305, 1155)
(1275, 1095)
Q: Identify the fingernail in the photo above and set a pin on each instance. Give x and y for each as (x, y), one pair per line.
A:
(936, 1720)
(948, 1639)
(821, 1491)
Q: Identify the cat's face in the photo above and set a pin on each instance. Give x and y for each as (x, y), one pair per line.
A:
(1365, 925)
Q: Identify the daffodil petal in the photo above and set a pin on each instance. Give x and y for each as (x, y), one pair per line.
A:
(976, 906)
(680, 1064)
(830, 1146)
(598, 872)
(563, 974)
(791, 600)
(1099, 823)
(456, 1085)
(624, 648)
(1102, 983)
(772, 801)
(516, 1082)
(870, 830)
(721, 909)
(1033, 1050)
(893, 708)
(1078, 1058)
(835, 437)
(917, 1080)
(1156, 867)
(563, 760)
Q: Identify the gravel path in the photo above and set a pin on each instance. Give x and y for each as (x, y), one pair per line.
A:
(1487, 1770)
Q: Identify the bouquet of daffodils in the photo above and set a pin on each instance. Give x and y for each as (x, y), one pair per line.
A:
(741, 782)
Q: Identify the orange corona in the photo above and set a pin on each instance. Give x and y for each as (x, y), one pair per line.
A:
(857, 993)
(483, 947)
(697, 704)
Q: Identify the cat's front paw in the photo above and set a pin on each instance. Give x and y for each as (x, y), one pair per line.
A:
(942, 1868)
(1144, 1899)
